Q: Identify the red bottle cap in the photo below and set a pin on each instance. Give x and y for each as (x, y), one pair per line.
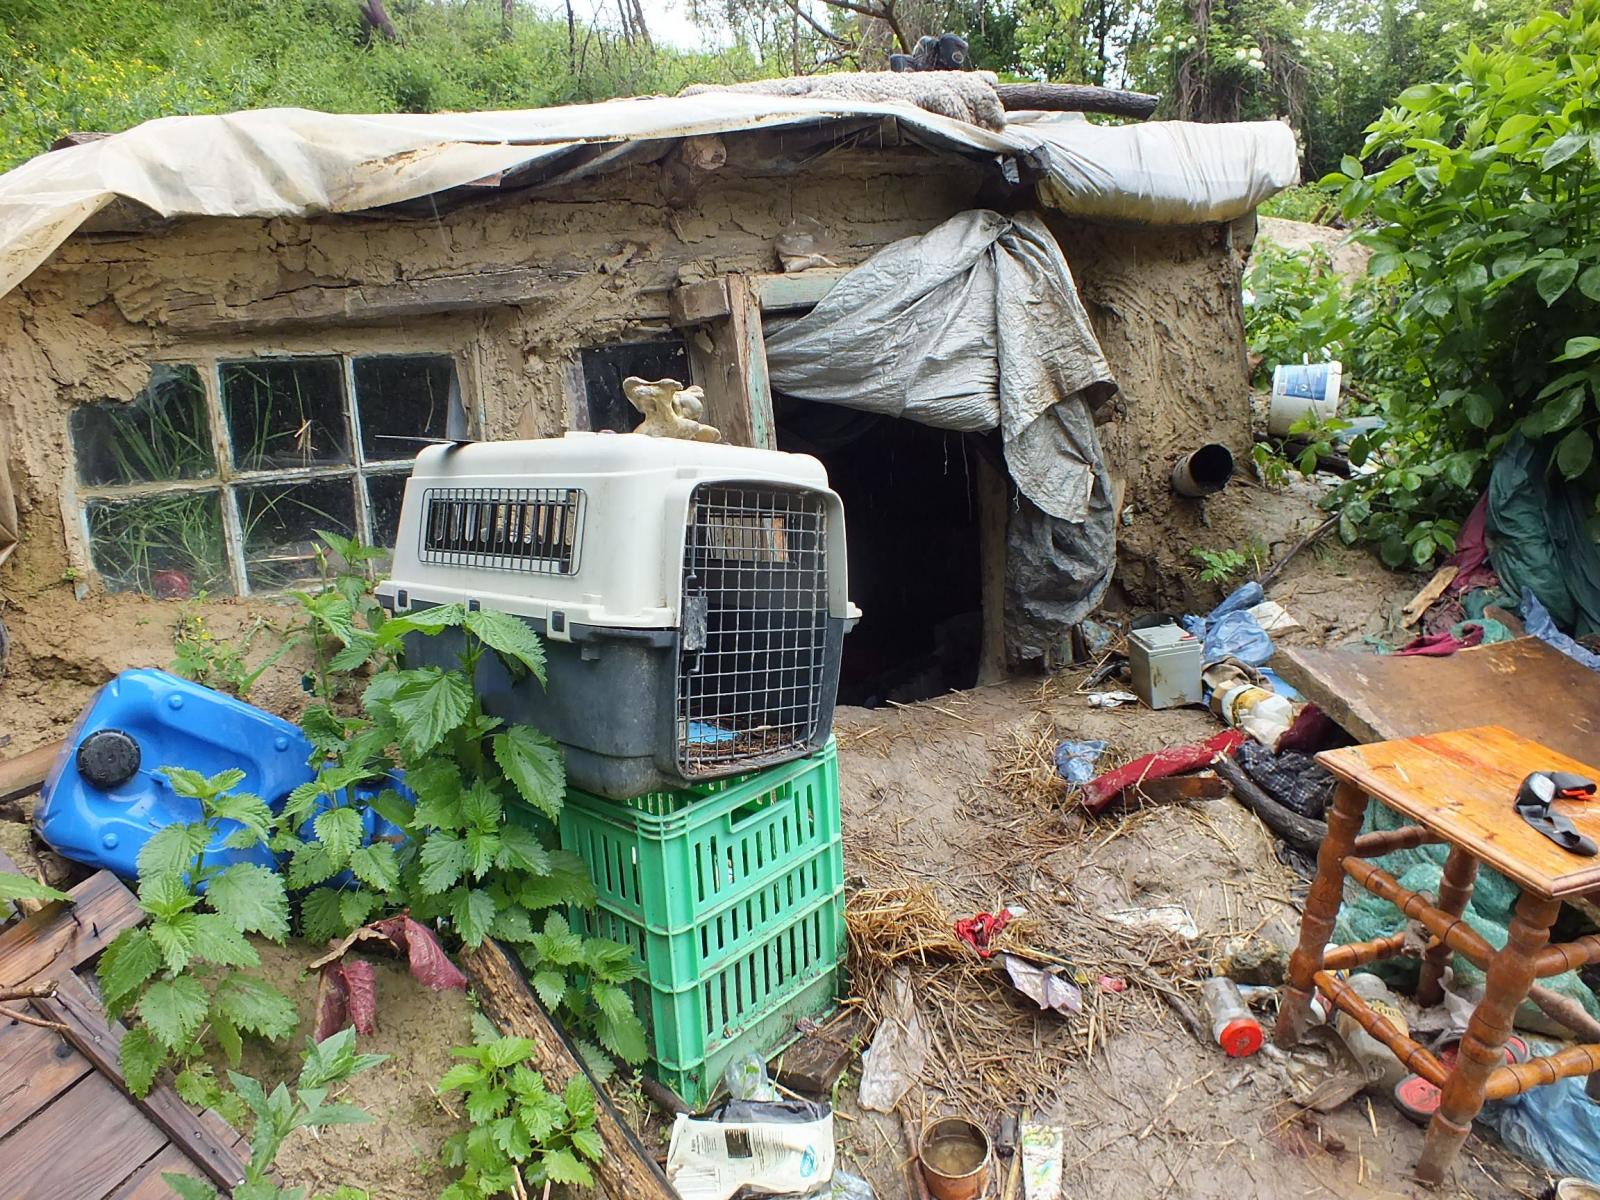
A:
(1240, 1037)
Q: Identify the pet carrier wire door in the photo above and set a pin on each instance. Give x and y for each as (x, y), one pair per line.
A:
(691, 596)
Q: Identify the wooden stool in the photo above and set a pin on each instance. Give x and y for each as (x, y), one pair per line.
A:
(1458, 787)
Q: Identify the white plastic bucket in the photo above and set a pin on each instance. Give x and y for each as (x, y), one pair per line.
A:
(1301, 390)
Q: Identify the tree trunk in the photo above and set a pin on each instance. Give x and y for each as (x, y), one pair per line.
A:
(508, 10)
(1076, 97)
(377, 20)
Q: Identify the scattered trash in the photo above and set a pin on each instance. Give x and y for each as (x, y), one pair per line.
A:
(1112, 985)
(1075, 760)
(1302, 390)
(1431, 591)
(1098, 637)
(1233, 1026)
(1048, 987)
(1159, 918)
(347, 994)
(898, 1052)
(1179, 789)
(751, 1147)
(747, 1079)
(955, 1156)
(1265, 716)
(1044, 1151)
(1537, 621)
(1111, 699)
(1375, 1059)
(1273, 617)
(980, 931)
(1556, 1126)
(844, 1186)
(1164, 666)
(1100, 791)
(1231, 631)
(1254, 960)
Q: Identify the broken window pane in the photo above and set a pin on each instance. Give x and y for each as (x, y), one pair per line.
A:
(169, 546)
(405, 395)
(161, 434)
(280, 523)
(385, 493)
(286, 413)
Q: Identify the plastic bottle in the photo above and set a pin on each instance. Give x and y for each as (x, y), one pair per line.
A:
(1379, 1064)
(1263, 714)
(1232, 1025)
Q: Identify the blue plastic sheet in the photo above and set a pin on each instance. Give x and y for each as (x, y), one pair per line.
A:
(1556, 1126)
(1536, 619)
(1229, 631)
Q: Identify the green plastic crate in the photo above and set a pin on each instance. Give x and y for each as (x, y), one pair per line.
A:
(733, 895)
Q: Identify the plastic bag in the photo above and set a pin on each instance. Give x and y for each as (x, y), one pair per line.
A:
(753, 1147)
(843, 1186)
(746, 1079)
(1236, 635)
(899, 1049)
(1075, 760)
(1536, 619)
(1556, 1126)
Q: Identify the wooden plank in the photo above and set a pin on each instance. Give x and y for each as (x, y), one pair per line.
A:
(49, 944)
(35, 1066)
(730, 363)
(1460, 785)
(22, 774)
(82, 1146)
(146, 1183)
(697, 303)
(203, 1137)
(1523, 685)
(708, 300)
(627, 1172)
(340, 303)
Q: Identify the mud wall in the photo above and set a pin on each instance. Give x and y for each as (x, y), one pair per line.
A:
(87, 324)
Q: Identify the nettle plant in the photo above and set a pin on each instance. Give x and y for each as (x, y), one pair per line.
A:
(180, 973)
(479, 847)
(522, 1135)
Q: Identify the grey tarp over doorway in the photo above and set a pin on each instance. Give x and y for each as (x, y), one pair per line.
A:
(976, 325)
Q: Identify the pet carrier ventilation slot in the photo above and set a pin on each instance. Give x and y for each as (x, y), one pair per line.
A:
(692, 597)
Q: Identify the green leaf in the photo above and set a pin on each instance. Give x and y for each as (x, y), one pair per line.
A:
(427, 621)
(589, 1143)
(1589, 283)
(165, 896)
(187, 1187)
(217, 941)
(1563, 148)
(533, 763)
(1578, 347)
(358, 648)
(127, 963)
(394, 808)
(321, 918)
(1555, 278)
(172, 850)
(311, 864)
(227, 1035)
(251, 812)
(356, 906)
(541, 1113)
(175, 936)
(1557, 414)
(1422, 550)
(1350, 166)
(141, 1057)
(1574, 453)
(509, 1051)
(579, 1099)
(551, 986)
(173, 1010)
(252, 898)
(20, 887)
(340, 831)
(1437, 304)
(459, 1077)
(521, 850)
(430, 705)
(256, 1006)
(562, 1166)
(376, 866)
(1478, 409)
(444, 860)
(472, 911)
(511, 636)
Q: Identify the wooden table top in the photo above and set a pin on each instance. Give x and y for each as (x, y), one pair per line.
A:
(1461, 785)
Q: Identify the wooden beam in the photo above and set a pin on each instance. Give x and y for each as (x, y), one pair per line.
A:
(627, 1172)
(1075, 97)
(697, 303)
(204, 1137)
(708, 300)
(186, 312)
(728, 359)
(22, 774)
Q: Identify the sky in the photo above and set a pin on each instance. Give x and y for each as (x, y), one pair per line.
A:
(668, 21)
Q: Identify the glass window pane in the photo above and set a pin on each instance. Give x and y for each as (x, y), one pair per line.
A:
(280, 523)
(385, 493)
(410, 395)
(286, 412)
(167, 546)
(161, 434)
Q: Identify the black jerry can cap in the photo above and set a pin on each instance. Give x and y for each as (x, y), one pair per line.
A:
(108, 758)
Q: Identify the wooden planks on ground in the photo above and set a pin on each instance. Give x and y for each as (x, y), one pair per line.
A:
(82, 1146)
(35, 1066)
(61, 936)
(23, 773)
(1523, 685)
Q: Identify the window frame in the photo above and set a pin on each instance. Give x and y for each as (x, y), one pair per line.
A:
(228, 480)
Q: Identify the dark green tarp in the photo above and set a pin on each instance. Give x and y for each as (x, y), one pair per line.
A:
(1539, 540)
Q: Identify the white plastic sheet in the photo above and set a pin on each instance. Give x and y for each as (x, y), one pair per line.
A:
(294, 162)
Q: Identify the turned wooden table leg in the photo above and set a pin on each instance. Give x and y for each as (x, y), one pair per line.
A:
(1482, 1048)
(1455, 889)
(1322, 907)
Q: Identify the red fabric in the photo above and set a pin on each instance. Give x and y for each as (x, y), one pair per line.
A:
(1441, 645)
(1312, 730)
(1176, 760)
(1471, 558)
(980, 931)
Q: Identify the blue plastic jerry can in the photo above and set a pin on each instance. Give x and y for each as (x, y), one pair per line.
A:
(105, 796)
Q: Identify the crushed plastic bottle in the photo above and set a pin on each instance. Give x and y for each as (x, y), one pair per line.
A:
(1233, 1025)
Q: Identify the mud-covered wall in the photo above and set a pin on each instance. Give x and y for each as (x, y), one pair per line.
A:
(86, 326)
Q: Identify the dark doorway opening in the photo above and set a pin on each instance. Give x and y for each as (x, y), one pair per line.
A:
(910, 496)
(605, 367)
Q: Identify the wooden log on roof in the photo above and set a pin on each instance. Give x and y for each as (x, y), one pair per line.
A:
(1076, 97)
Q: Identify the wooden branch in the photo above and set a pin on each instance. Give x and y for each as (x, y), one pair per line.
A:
(1276, 568)
(1302, 833)
(627, 1172)
(12, 1014)
(22, 774)
(1076, 97)
(375, 18)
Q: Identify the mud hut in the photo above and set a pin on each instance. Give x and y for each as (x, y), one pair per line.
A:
(214, 330)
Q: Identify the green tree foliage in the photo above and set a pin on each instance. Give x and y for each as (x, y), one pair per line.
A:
(110, 65)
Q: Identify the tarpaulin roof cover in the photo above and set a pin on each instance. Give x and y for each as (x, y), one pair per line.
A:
(295, 162)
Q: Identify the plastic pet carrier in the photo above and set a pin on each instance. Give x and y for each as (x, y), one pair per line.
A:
(691, 596)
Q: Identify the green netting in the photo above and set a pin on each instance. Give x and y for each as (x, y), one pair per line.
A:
(1365, 917)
